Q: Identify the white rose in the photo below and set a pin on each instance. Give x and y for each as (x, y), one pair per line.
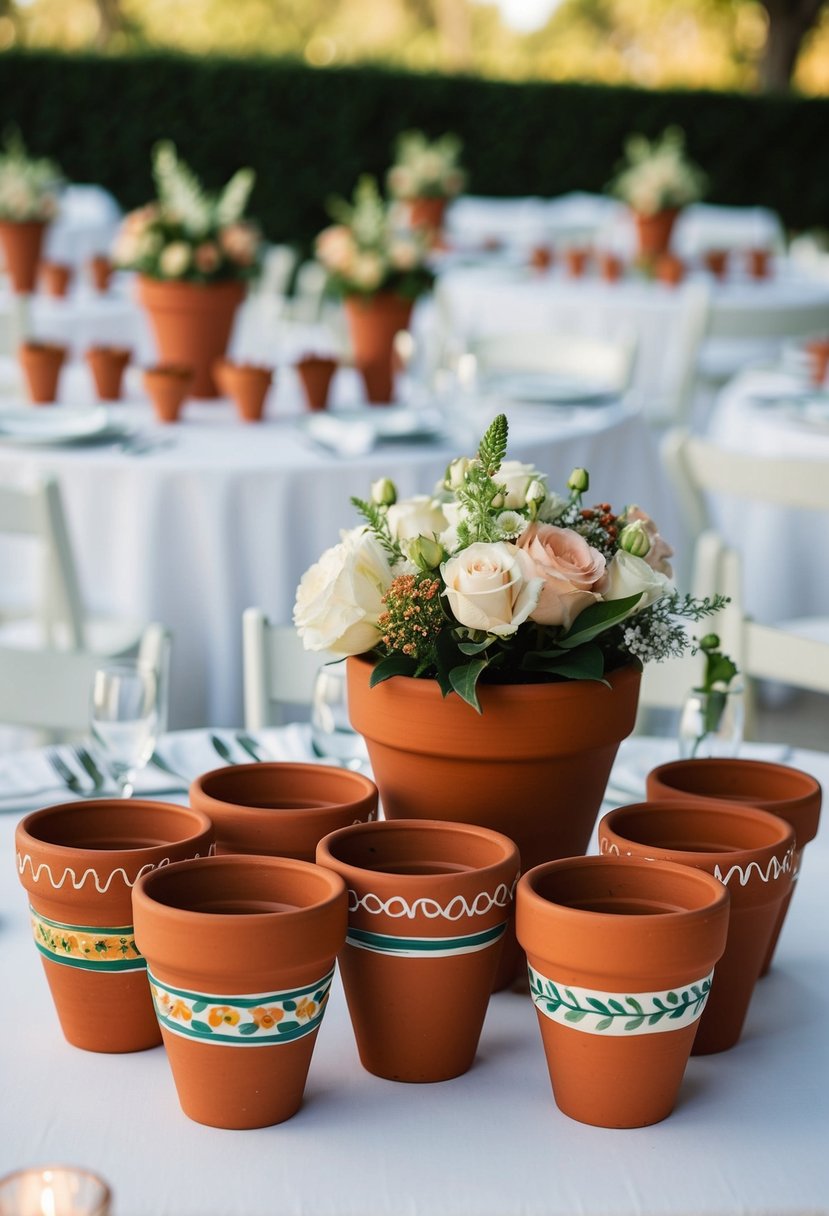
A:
(517, 477)
(491, 587)
(418, 516)
(340, 599)
(453, 513)
(174, 259)
(627, 575)
(367, 270)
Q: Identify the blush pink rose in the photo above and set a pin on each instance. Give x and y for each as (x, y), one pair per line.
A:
(659, 552)
(570, 569)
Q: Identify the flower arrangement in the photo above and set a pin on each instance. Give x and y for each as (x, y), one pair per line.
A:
(188, 233)
(365, 252)
(424, 169)
(28, 186)
(497, 578)
(657, 175)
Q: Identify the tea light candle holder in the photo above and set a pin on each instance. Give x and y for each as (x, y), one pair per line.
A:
(54, 1190)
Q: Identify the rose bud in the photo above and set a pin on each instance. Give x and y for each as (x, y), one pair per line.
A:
(427, 554)
(579, 481)
(383, 492)
(634, 539)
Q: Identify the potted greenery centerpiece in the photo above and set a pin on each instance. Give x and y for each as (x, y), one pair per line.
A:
(425, 176)
(496, 635)
(657, 179)
(380, 271)
(28, 202)
(193, 252)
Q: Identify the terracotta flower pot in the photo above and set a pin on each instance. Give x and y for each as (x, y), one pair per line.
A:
(56, 277)
(22, 243)
(316, 373)
(168, 386)
(653, 232)
(576, 261)
(281, 809)
(758, 263)
(426, 215)
(716, 262)
(240, 955)
(100, 271)
(787, 792)
(670, 269)
(108, 364)
(541, 257)
(41, 362)
(611, 267)
(818, 353)
(372, 322)
(192, 323)
(751, 852)
(247, 385)
(79, 863)
(620, 954)
(428, 904)
(533, 765)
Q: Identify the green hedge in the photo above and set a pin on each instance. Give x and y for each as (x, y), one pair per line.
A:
(309, 133)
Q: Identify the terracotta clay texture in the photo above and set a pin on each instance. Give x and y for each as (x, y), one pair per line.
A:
(56, 277)
(248, 386)
(653, 232)
(620, 952)
(576, 262)
(758, 263)
(611, 267)
(541, 257)
(281, 809)
(818, 353)
(315, 374)
(788, 792)
(22, 244)
(372, 323)
(42, 363)
(716, 262)
(533, 765)
(428, 904)
(100, 271)
(168, 387)
(79, 862)
(240, 953)
(108, 364)
(670, 269)
(426, 215)
(751, 852)
(192, 323)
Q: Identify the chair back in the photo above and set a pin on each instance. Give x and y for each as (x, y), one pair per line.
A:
(732, 321)
(594, 359)
(277, 669)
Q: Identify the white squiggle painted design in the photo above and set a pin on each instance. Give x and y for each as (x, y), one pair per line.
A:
(775, 869)
(101, 887)
(397, 906)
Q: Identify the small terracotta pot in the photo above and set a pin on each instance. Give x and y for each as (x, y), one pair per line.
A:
(316, 373)
(788, 792)
(541, 257)
(670, 269)
(758, 263)
(22, 243)
(168, 387)
(716, 262)
(79, 862)
(818, 352)
(611, 267)
(281, 809)
(41, 363)
(575, 260)
(751, 852)
(653, 232)
(373, 321)
(240, 955)
(56, 277)
(247, 385)
(108, 364)
(620, 952)
(192, 324)
(428, 904)
(100, 271)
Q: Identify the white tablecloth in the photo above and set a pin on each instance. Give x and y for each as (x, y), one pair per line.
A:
(748, 1136)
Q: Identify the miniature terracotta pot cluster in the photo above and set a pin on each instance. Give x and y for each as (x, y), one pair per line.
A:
(373, 322)
(246, 384)
(192, 324)
(42, 363)
(108, 364)
(315, 374)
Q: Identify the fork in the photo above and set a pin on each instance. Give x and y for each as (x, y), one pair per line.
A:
(67, 776)
(87, 763)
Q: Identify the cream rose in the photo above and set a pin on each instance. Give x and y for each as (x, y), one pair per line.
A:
(628, 575)
(570, 569)
(175, 259)
(517, 478)
(417, 516)
(491, 587)
(659, 552)
(339, 600)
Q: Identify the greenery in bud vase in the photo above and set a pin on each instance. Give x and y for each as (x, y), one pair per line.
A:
(657, 175)
(189, 234)
(424, 169)
(366, 252)
(28, 186)
(498, 578)
(715, 688)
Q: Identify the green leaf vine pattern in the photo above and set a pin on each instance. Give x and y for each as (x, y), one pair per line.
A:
(639, 1015)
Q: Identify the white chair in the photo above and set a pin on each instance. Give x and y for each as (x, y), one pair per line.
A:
(306, 302)
(277, 670)
(594, 359)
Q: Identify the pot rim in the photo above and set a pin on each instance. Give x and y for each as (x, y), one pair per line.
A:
(24, 836)
(812, 786)
(363, 787)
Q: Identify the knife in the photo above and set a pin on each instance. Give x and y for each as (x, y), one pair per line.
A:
(90, 767)
(249, 745)
(221, 749)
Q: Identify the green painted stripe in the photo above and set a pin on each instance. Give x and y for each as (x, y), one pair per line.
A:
(270, 1039)
(99, 930)
(89, 964)
(424, 945)
(244, 1002)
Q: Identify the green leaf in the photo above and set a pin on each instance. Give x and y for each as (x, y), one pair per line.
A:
(464, 679)
(634, 1023)
(582, 663)
(617, 1005)
(655, 1017)
(201, 1027)
(249, 1028)
(474, 647)
(597, 619)
(604, 1024)
(493, 446)
(396, 664)
(678, 1012)
(574, 1015)
(597, 1005)
(284, 1027)
(199, 1006)
(634, 1004)
(290, 1006)
(672, 998)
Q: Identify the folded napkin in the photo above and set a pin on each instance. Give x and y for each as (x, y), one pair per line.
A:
(29, 780)
(345, 436)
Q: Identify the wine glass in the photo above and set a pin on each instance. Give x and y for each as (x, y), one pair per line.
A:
(332, 735)
(125, 718)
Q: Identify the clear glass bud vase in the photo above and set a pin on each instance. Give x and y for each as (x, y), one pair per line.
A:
(711, 723)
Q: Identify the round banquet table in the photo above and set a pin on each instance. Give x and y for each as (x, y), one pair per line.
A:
(747, 1138)
(219, 516)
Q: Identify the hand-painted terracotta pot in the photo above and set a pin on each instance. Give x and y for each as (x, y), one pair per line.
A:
(247, 385)
(620, 954)
(41, 363)
(751, 852)
(670, 269)
(372, 323)
(576, 261)
(56, 277)
(79, 862)
(22, 243)
(788, 792)
(315, 374)
(168, 387)
(192, 323)
(240, 955)
(653, 232)
(428, 904)
(281, 809)
(100, 271)
(611, 267)
(716, 262)
(108, 364)
(533, 765)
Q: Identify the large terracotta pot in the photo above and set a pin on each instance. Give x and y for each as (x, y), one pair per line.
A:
(788, 792)
(22, 243)
(108, 364)
(653, 232)
(281, 809)
(42, 363)
(533, 764)
(620, 953)
(240, 955)
(372, 323)
(192, 323)
(751, 852)
(79, 862)
(428, 903)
